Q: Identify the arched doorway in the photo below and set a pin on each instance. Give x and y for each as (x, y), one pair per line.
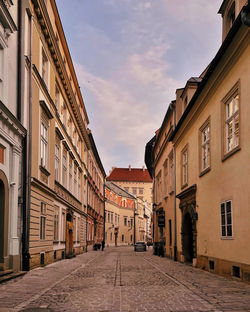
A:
(4, 220)
(187, 238)
(69, 236)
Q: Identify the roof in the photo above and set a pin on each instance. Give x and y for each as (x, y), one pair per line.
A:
(213, 65)
(118, 190)
(129, 175)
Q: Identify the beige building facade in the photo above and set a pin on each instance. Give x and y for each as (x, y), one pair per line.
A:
(58, 143)
(211, 151)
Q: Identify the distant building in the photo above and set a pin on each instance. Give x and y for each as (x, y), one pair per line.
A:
(119, 215)
(138, 182)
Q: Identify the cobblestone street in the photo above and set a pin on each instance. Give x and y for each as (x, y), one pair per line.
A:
(119, 279)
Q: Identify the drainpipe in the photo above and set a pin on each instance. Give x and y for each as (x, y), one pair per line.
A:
(27, 166)
(104, 201)
(173, 107)
(134, 223)
(19, 59)
(245, 20)
(87, 223)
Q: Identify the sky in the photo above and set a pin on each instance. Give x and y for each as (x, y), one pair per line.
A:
(130, 56)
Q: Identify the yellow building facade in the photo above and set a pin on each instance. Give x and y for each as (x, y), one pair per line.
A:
(119, 216)
(211, 151)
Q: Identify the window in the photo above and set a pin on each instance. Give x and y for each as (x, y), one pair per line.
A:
(74, 229)
(75, 180)
(115, 218)
(171, 172)
(112, 221)
(205, 146)
(131, 222)
(65, 168)
(45, 65)
(123, 238)
(232, 123)
(42, 220)
(125, 221)
(170, 231)
(2, 154)
(44, 144)
(56, 219)
(70, 174)
(166, 177)
(79, 185)
(134, 191)
(108, 217)
(131, 237)
(111, 236)
(57, 161)
(57, 97)
(63, 226)
(126, 189)
(226, 219)
(184, 160)
(158, 189)
(141, 191)
(78, 229)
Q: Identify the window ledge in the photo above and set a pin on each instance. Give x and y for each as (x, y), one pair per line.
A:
(45, 171)
(227, 238)
(233, 151)
(55, 242)
(184, 186)
(205, 171)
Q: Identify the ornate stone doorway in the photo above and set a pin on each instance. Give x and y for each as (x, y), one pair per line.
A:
(188, 225)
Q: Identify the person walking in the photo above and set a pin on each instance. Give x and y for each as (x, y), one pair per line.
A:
(103, 244)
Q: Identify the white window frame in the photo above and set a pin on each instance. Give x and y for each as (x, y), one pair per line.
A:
(224, 220)
(57, 161)
(184, 167)
(56, 224)
(232, 118)
(43, 221)
(44, 143)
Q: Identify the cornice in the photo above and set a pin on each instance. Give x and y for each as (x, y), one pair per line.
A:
(49, 35)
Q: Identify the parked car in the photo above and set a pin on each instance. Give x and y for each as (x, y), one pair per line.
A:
(140, 246)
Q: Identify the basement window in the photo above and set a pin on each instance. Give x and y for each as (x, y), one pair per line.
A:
(236, 271)
(42, 257)
(211, 265)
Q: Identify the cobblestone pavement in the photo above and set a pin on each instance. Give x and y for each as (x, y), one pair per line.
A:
(119, 279)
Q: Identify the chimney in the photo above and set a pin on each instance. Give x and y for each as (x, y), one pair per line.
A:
(129, 167)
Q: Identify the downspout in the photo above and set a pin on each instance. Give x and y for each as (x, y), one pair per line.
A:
(26, 222)
(104, 201)
(174, 159)
(245, 20)
(19, 59)
(87, 223)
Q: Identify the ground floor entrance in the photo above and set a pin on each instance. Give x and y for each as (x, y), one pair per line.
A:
(188, 225)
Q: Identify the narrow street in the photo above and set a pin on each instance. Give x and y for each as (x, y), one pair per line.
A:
(119, 279)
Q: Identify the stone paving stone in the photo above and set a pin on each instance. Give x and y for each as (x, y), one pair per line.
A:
(119, 279)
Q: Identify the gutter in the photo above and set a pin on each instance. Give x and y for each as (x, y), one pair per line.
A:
(212, 67)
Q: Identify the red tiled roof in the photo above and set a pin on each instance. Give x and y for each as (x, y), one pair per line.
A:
(130, 175)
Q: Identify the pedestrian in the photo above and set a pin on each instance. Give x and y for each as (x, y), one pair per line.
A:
(103, 244)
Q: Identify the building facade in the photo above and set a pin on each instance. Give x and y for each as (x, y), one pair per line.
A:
(58, 143)
(95, 191)
(12, 139)
(137, 182)
(119, 216)
(211, 152)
